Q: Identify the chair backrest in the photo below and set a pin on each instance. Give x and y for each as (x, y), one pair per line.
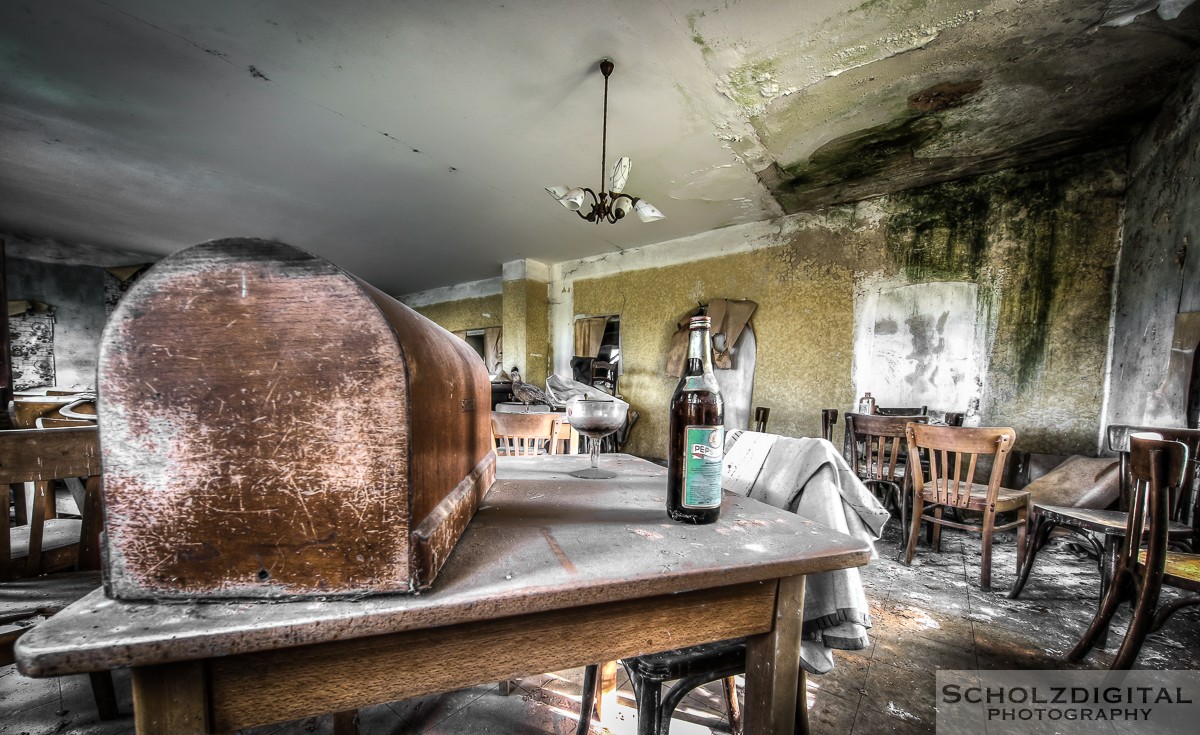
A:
(1157, 468)
(953, 456)
(526, 434)
(604, 376)
(41, 456)
(878, 444)
(762, 415)
(829, 417)
(1183, 498)
(902, 410)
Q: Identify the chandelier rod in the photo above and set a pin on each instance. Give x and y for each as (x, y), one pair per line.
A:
(606, 68)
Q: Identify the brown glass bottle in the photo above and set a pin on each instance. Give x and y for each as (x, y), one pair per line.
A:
(696, 435)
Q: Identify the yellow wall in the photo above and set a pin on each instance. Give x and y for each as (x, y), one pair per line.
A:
(457, 316)
(526, 329)
(805, 339)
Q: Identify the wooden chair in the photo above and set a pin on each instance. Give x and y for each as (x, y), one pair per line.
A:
(526, 434)
(829, 417)
(1103, 529)
(48, 543)
(41, 456)
(953, 453)
(762, 415)
(1157, 469)
(604, 376)
(880, 458)
(902, 410)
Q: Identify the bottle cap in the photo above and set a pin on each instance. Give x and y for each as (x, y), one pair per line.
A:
(699, 322)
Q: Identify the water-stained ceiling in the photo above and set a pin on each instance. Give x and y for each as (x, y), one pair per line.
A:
(410, 141)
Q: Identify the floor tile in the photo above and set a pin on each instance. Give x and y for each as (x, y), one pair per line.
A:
(901, 692)
(828, 713)
(872, 722)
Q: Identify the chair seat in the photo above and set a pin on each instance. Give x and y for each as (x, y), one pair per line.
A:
(59, 533)
(46, 595)
(1100, 521)
(1181, 570)
(1005, 499)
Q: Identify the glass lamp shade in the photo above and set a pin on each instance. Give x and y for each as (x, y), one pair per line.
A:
(647, 212)
(621, 206)
(573, 199)
(558, 192)
(620, 175)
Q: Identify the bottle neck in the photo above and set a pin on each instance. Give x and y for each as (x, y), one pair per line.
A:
(699, 355)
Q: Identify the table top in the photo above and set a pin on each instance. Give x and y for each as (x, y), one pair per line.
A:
(541, 540)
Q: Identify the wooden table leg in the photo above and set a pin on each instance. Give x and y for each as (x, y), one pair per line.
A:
(776, 700)
(170, 699)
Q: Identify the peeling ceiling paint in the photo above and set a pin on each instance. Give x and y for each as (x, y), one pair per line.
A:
(410, 141)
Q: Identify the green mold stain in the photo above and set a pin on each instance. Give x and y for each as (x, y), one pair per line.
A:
(696, 37)
(745, 80)
(939, 233)
(863, 153)
(947, 232)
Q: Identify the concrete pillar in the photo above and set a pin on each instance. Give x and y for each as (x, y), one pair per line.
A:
(526, 323)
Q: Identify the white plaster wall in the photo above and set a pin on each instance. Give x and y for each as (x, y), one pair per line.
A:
(924, 344)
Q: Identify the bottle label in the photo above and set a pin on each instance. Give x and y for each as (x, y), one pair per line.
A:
(702, 466)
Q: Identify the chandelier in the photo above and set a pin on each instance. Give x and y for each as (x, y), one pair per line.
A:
(612, 205)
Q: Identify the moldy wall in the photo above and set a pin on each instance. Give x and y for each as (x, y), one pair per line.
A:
(1039, 247)
(1160, 262)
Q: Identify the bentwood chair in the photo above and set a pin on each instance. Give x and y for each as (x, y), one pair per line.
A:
(1103, 529)
(526, 434)
(1157, 469)
(47, 543)
(879, 457)
(953, 455)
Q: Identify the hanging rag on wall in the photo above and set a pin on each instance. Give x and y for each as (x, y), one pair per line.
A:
(734, 355)
(729, 319)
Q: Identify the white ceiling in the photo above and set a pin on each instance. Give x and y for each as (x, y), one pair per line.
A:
(410, 141)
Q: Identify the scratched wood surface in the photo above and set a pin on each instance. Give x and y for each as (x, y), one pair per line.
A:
(258, 413)
(541, 541)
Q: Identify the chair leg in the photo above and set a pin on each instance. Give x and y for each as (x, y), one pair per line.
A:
(1035, 540)
(935, 541)
(591, 680)
(345, 723)
(732, 707)
(1139, 626)
(1118, 591)
(1022, 535)
(915, 531)
(105, 694)
(649, 722)
(989, 530)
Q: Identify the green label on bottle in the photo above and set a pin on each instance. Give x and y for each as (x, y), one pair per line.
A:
(705, 454)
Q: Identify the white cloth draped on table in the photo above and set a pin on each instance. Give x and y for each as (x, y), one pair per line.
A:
(811, 479)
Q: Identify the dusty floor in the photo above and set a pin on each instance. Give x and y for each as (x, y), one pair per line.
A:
(928, 616)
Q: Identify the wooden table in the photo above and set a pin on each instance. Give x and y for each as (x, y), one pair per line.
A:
(553, 572)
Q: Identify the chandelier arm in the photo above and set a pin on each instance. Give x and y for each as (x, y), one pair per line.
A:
(591, 215)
